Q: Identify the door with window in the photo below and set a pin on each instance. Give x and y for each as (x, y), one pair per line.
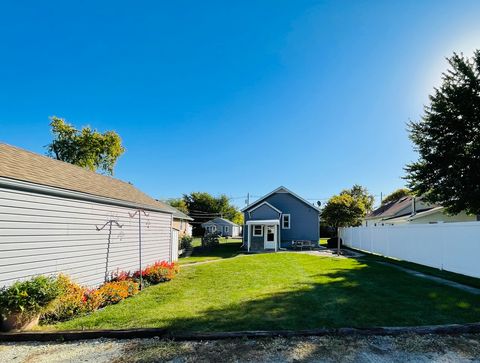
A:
(270, 238)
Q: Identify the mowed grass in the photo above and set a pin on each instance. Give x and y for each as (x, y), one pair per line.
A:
(228, 248)
(286, 291)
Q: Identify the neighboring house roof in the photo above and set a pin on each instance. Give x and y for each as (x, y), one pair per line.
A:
(176, 213)
(280, 189)
(408, 217)
(390, 209)
(400, 208)
(21, 165)
(219, 220)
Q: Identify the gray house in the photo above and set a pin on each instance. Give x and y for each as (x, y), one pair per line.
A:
(223, 226)
(274, 221)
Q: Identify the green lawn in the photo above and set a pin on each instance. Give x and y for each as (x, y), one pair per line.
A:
(228, 248)
(287, 291)
(461, 279)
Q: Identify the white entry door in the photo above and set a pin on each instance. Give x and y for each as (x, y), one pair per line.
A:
(270, 238)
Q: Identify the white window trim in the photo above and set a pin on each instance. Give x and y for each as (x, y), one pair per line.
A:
(226, 229)
(261, 230)
(289, 221)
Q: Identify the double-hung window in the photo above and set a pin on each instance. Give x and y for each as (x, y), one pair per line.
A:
(258, 230)
(285, 221)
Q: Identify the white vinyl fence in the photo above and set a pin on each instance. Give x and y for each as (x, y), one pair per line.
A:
(448, 246)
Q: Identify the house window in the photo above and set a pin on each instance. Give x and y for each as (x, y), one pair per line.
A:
(226, 229)
(286, 221)
(257, 230)
(211, 229)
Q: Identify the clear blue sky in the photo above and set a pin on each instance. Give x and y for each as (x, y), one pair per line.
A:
(231, 97)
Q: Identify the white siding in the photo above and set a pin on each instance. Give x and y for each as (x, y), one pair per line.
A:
(41, 234)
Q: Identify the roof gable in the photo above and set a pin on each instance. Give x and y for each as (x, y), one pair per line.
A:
(266, 204)
(280, 189)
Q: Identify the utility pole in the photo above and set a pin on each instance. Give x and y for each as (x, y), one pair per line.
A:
(381, 198)
(248, 199)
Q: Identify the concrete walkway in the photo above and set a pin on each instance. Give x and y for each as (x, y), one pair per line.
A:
(439, 280)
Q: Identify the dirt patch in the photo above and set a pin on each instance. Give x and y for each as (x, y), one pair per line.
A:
(404, 348)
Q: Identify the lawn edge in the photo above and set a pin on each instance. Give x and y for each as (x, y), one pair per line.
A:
(432, 271)
(76, 335)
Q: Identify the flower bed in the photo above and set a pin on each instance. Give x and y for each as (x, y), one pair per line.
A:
(56, 299)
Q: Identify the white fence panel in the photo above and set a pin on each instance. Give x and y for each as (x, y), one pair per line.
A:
(450, 246)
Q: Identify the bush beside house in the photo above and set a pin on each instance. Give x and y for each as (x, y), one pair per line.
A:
(55, 299)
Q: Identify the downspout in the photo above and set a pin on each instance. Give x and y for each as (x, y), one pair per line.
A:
(280, 236)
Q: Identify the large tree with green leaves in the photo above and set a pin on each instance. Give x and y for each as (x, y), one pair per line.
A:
(343, 211)
(447, 139)
(362, 195)
(87, 147)
(396, 195)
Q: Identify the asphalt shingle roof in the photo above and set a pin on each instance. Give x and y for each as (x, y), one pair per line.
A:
(20, 164)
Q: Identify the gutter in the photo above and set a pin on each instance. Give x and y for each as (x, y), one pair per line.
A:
(71, 194)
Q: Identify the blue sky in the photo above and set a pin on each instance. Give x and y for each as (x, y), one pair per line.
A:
(233, 97)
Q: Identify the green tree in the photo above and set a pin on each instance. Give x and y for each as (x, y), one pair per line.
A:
(447, 139)
(362, 195)
(203, 207)
(86, 147)
(343, 211)
(396, 195)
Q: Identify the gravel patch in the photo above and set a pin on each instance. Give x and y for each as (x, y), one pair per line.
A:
(355, 349)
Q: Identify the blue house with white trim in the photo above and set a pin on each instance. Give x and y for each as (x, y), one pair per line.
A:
(274, 221)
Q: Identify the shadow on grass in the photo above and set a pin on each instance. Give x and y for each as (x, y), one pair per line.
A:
(226, 249)
(366, 296)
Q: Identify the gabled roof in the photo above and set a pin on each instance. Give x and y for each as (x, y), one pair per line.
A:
(20, 165)
(391, 209)
(280, 189)
(399, 208)
(219, 220)
(268, 205)
(176, 213)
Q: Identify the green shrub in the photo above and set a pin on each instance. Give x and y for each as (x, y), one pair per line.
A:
(186, 242)
(211, 240)
(29, 297)
(114, 292)
(74, 300)
(160, 271)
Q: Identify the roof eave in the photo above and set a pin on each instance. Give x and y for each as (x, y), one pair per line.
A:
(275, 191)
(16, 184)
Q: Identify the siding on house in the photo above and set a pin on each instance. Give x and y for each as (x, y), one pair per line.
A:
(264, 212)
(304, 219)
(220, 224)
(182, 226)
(44, 234)
(440, 216)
